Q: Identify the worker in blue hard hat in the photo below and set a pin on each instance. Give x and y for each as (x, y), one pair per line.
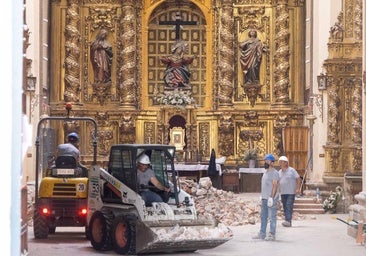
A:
(269, 199)
(70, 147)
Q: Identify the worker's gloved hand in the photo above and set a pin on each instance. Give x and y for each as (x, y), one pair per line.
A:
(270, 202)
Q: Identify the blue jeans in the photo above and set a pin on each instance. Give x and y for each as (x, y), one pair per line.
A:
(150, 197)
(270, 213)
(288, 205)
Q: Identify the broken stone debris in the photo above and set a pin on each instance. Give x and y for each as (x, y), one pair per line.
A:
(225, 206)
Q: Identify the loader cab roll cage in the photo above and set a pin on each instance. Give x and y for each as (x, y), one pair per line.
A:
(123, 164)
(42, 122)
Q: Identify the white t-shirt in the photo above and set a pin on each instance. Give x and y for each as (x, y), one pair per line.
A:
(288, 179)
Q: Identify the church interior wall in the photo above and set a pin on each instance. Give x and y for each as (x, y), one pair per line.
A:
(110, 109)
(223, 125)
(226, 122)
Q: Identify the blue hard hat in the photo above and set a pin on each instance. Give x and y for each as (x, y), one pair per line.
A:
(270, 157)
(73, 137)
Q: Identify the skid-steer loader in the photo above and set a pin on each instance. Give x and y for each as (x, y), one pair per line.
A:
(119, 220)
(61, 184)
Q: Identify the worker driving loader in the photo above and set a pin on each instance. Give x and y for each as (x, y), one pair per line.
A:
(149, 183)
(119, 218)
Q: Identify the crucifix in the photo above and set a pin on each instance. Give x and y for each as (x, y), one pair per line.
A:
(178, 23)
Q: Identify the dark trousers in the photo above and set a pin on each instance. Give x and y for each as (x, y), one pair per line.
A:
(288, 205)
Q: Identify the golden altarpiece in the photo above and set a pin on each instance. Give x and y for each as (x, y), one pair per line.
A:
(228, 114)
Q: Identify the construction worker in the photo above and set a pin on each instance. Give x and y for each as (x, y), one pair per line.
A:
(269, 199)
(71, 147)
(146, 178)
(289, 185)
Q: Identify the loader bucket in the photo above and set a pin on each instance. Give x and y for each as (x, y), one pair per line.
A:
(179, 238)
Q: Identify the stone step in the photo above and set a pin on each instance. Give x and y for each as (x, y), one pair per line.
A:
(308, 205)
(310, 211)
(306, 200)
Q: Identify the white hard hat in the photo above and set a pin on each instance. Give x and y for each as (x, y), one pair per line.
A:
(144, 159)
(283, 158)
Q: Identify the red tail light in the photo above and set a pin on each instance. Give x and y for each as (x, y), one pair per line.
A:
(45, 211)
(83, 211)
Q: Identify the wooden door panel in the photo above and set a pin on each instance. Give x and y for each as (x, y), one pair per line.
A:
(296, 147)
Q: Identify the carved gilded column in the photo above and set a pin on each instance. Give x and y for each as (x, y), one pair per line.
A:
(356, 112)
(282, 120)
(127, 128)
(193, 146)
(204, 139)
(105, 133)
(226, 54)
(333, 112)
(356, 134)
(226, 135)
(281, 56)
(72, 53)
(127, 73)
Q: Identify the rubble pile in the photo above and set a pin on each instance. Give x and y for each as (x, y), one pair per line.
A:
(178, 233)
(225, 206)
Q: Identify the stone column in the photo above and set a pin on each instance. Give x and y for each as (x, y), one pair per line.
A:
(226, 54)
(282, 54)
(72, 53)
(358, 211)
(126, 74)
(364, 98)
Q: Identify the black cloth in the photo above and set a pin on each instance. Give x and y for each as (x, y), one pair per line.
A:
(212, 171)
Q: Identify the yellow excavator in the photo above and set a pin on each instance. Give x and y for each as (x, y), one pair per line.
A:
(118, 218)
(61, 184)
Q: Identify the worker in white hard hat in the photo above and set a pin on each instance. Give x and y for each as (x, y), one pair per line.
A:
(146, 178)
(289, 186)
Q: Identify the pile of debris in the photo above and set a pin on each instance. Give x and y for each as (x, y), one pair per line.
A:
(178, 233)
(225, 206)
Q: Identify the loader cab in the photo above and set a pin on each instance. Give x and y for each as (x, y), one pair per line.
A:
(123, 163)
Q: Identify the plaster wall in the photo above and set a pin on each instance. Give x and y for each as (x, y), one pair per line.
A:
(324, 16)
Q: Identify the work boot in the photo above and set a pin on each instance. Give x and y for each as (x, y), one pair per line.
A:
(259, 236)
(286, 224)
(270, 237)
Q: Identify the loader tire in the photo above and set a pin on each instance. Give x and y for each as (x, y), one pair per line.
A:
(124, 235)
(100, 230)
(40, 227)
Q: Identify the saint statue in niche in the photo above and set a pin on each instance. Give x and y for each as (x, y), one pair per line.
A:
(177, 73)
(101, 57)
(251, 57)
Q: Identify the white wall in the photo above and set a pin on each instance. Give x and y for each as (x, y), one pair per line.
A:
(11, 81)
(325, 13)
(34, 23)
